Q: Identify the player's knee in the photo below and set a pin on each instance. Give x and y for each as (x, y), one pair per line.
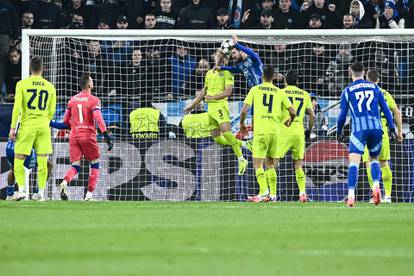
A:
(95, 165)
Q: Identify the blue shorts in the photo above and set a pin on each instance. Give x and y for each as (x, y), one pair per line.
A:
(30, 161)
(371, 138)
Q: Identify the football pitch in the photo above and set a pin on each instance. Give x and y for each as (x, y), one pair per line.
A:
(164, 238)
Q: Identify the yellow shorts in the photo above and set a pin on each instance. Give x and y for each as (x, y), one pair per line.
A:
(218, 113)
(385, 149)
(38, 138)
(264, 145)
(294, 142)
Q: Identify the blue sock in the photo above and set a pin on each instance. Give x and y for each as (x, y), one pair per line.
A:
(375, 171)
(352, 175)
(10, 190)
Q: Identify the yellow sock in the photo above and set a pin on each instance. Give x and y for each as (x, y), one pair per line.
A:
(233, 143)
(261, 179)
(301, 180)
(271, 177)
(387, 179)
(19, 174)
(42, 171)
(368, 169)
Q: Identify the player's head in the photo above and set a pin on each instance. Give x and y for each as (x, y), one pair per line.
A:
(86, 82)
(291, 77)
(220, 58)
(268, 74)
(36, 65)
(372, 75)
(357, 70)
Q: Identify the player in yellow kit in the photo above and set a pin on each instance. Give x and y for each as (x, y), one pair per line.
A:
(35, 105)
(293, 137)
(268, 103)
(373, 76)
(218, 86)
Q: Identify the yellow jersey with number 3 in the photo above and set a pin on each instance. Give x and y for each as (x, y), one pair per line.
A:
(301, 102)
(268, 103)
(35, 101)
(216, 82)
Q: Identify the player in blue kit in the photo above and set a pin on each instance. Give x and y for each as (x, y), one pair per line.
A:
(363, 98)
(248, 63)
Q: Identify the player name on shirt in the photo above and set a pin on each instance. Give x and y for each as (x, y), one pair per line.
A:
(81, 99)
(294, 92)
(38, 83)
(361, 85)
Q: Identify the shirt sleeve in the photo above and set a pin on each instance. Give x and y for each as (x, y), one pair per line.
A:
(286, 103)
(232, 69)
(52, 106)
(252, 54)
(249, 97)
(228, 79)
(390, 101)
(384, 107)
(344, 111)
(97, 115)
(17, 108)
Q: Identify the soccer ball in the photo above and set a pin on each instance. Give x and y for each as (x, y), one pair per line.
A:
(227, 46)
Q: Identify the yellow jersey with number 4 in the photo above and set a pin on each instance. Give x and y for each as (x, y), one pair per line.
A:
(268, 104)
(35, 101)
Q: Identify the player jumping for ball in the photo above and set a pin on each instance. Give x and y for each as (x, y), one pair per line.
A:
(84, 109)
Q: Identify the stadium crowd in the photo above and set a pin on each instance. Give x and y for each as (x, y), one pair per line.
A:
(322, 68)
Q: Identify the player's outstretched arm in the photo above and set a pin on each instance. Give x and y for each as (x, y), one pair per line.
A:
(196, 101)
(252, 54)
(342, 115)
(58, 125)
(398, 120)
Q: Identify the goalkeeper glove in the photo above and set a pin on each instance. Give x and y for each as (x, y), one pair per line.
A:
(108, 140)
(307, 135)
(340, 137)
(393, 135)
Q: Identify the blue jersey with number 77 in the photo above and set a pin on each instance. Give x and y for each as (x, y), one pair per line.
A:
(364, 99)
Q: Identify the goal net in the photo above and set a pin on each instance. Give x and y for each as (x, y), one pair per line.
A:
(134, 69)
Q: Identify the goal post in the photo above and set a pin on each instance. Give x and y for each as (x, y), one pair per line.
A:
(168, 67)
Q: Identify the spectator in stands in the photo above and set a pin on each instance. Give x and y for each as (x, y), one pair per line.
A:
(77, 22)
(8, 33)
(150, 21)
(135, 11)
(196, 82)
(103, 24)
(13, 73)
(223, 20)
(314, 66)
(266, 5)
(195, 16)
(182, 65)
(385, 64)
(348, 21)
(27, 20)
(390, 19)
(362, 21)
(283, 58)
(22, 6)
(75, 7)
(410, 16)
(108, 11)
(286, 17)
(338, 70)
(243, 13)
(147, 122)
(47, 15)
(327, 13)
(166, 17)
(266, 19)
(133, 76)
(315, 21)
(122, 22)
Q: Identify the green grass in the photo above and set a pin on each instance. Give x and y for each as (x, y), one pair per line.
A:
(160, 238)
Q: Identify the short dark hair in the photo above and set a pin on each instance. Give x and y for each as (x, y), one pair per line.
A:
(84, 80)
(268, 73)
(348, 14)
(372, 75)
(291, 77)
(357, 68)
(36, 64)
